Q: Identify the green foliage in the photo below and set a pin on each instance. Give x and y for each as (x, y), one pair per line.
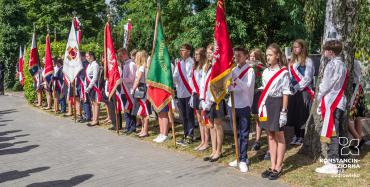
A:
(12, 35)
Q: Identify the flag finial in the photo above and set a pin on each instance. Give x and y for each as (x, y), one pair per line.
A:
(74, 13)
(47, 28)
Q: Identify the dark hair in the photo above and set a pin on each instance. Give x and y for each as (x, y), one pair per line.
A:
(186, 46)
(122, 50)
(92, 54)
(82, 53)
(59, 61)
(203, 58)
(334, 45)
(241, 49)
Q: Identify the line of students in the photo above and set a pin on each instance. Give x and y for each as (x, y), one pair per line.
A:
(276, 91)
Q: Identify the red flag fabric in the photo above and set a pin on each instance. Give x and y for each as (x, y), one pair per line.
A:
(77, 24)
(48, 67)
(110, 64)
(20, 66)
(34, 62)
(223, 56)
(127, 32)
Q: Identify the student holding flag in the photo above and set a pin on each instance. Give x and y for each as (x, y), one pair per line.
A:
(47, 73)
(273, 107)
(182, 78)
(243, 87)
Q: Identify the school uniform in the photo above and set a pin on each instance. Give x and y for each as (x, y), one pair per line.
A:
(182, 78)
(333, 104)
(58, 85)
(258, 68)
(80, 92)
(37, 81)
(299, 104)
(142, 107)
(91, 82)
(243, 88)
(129, 69)
(275, 84)
(195, 85)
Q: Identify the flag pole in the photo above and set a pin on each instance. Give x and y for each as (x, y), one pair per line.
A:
(234, 127)
(73, 103)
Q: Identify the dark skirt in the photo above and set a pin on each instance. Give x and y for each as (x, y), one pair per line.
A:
(93, 96)
(273, 108)
(299, 106)
(220, 113)
(256, 98)
(196, 101)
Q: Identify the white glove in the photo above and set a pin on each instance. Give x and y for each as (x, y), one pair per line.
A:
(283, 119)
(191, 103)
(201, 104)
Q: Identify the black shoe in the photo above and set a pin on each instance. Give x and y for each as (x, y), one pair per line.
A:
(266, 173)
(125, 131)
(182, 142)
(275, 174)
(84, 120)
(256, 146)
(207, 158)
(267, 156)
(215, 159)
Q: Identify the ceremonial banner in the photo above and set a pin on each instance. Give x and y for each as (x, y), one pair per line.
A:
(34, 61)
(110, 64)
(72, 61)
(48, 67)
(20, 66)
(127, 32)
(159, 79)
(77, 24)
(223, 56)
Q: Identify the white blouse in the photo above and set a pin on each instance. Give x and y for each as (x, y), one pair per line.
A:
(281, 87)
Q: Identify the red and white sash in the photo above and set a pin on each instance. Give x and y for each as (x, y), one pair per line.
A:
(195, 83)
(328, 105)
(82, 85)
(298, 77)
(262, 113)
(241, 75)
(129, 102)
(95, 87)
(143, 109)
(184, 80)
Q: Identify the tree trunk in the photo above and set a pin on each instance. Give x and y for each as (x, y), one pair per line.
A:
(340, 15)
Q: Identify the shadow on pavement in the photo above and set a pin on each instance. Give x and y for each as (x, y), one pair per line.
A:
(4, 139)
(17, 150)
(1, 125)
(2, 112)
(71, 182)
(7, 120)
(5, 145)
(15, 174)
(8, 132)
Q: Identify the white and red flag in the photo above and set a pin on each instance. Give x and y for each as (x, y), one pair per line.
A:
(77, 26)
(48, 67)
(20, 66)
(127, 33)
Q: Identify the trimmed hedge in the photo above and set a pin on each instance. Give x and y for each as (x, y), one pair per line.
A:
(57, 50)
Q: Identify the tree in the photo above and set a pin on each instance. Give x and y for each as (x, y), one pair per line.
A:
(343, 16)
(12, 35)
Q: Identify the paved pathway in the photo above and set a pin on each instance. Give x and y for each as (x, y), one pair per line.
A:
(38, 149)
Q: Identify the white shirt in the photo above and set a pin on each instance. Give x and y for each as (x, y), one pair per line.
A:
(356, 72)
(208, 95)
(308, 74)
(92, 71)
(128, 74)
(243, 88)
(281, 87)
(198, 73)
(334, 73)
(186, 67)
(142, 71)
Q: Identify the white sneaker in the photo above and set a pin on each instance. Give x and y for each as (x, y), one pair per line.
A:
(157, 138)
(233, 163)
(162, 138)
(243, 167)
(294, 141)
(328, 168)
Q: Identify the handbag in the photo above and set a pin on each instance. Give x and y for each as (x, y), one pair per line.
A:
(140, 91)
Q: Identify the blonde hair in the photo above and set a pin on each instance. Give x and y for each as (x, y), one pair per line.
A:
(258, 55)
(208, 63)
(304, 52)
(141, 58)
(281, 57)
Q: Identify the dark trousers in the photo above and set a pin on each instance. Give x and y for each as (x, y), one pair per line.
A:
(62, 103)
(112, 113)
(242, 128)
(86, 107)
(334, 148)
(187, 115)
(130, 121)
